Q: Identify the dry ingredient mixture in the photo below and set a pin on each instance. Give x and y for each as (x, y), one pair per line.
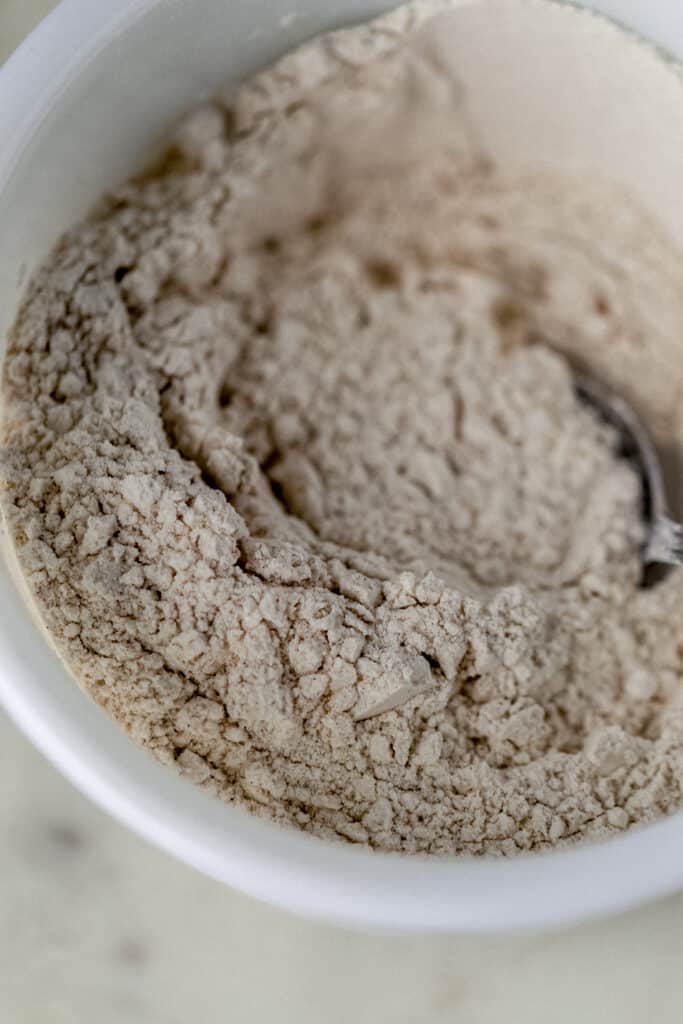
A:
(305, 495)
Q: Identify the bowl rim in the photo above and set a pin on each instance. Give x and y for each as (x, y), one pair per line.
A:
(299, 872)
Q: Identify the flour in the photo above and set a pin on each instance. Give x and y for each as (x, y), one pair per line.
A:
(297, 475)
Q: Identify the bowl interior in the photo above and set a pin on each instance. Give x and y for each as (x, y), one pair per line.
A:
(86, 102)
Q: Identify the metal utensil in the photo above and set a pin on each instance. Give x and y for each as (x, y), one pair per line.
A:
(663, 546)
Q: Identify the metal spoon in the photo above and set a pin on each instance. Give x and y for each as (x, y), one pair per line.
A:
(663, 545)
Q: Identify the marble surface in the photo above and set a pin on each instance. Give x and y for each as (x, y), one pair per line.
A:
(97, 926)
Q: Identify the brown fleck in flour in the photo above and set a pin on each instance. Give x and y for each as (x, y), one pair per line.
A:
(306, 502)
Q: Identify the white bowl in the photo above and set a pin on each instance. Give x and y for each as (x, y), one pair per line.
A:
(83, 103)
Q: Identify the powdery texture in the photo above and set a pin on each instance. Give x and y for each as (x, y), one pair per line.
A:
(303, 504)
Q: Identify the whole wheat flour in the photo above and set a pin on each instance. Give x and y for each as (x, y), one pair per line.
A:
(303, 491)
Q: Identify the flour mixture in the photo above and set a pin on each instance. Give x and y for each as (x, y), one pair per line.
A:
(297, 475)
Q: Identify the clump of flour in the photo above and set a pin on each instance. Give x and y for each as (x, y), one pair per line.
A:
(305, 495)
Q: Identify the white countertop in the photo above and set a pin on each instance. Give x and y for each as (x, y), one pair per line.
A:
(98, 927)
